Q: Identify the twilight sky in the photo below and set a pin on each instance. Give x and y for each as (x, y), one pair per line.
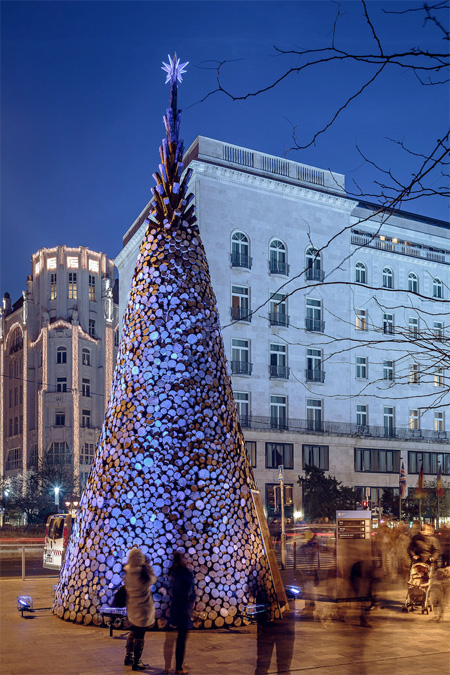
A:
(83, 97)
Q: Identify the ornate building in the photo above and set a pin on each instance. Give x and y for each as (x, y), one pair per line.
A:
(58, 346)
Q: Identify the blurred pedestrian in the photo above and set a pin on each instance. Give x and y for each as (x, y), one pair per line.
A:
(182, 582)
(424, 546)
(139, 577)
(273, 635)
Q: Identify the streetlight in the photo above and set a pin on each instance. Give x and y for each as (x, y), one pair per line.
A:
(71, 507)
(56, 489)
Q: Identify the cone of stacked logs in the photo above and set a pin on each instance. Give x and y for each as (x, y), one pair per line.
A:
(171, 471)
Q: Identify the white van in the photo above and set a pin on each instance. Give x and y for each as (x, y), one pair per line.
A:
(57, 533)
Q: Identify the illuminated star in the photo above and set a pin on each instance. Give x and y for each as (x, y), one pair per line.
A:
(174, 69)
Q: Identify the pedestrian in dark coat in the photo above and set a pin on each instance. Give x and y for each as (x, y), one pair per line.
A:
(424, 546)
(139, 577)
(182, 583)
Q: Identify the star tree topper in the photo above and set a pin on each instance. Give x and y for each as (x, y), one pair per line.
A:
(174, 69)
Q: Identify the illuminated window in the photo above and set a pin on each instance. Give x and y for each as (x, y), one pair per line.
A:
(414, 375)
(439, 421)
(439, 377)
(414, 420)
(72, 285)
(51, 263)
(92, 288)
(72, 262)
(53, 287)
(361, 319)
(37, 267)
(93, 265)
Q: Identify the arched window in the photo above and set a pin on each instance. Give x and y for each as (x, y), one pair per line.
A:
(388, 278)
(413, 283)
(16, 341)
(59, 453)
(277, 258)
(314, 270)
(360, 273)
(438, 288)
(240, 250)
(61, 355)
(86, 357)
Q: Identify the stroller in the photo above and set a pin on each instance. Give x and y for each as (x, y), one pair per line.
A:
(419, 584)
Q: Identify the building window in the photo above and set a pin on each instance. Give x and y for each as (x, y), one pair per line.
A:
(429, 461)
(242, 400)
(314, 270)
(60, 418)
(72, 262)
(87, 453)
(413, 283)
(388, 324)
(360, 273)
(61, 384)
(21, 394)
(438, 288)
(59, 453)
(277, 258)
(250, 447)
(51, 263)
(53, 286)
(92, 327)
(438, 329)
(240, 357)
(314, 371)
(388, 278)
(93, 265)
(86, 387)
(61, 355)
(362, 367)
(72, 286)
(116, 337)
(316, 455)
(314, 321)
(439, 421)
(92, 288)
(314, 414)
(14, 459)
(10, 426)
(377, 461)
(86, 419)
(388, 370)
(34, 456)
(278, 310)
(278, 454)
(362, 416)
(86, 357)
(10, 398)
(240, 251)
(414, 420)
(240, 303)
(273, 500)
(16, 396)
(278, 412)
(278, 362)
(361, 319)
(16, 343)
(414, 373)
(413, 326)
(439, 377)
(388, 419)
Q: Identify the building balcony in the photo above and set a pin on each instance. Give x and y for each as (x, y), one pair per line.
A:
(315, 375)
(241, 314)
(278, 319)
(314, 325)
(278, 267)
(279, 372)
(241, 260)
(277, 423)
(241, 367)
(314, 274)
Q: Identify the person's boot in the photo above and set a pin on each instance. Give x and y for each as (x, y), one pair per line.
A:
(129, 651)
(138, 649)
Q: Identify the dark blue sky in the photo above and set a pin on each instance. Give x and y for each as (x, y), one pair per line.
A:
(83, 97)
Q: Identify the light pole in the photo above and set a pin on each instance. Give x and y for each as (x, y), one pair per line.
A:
(56, 489)
(283, 529)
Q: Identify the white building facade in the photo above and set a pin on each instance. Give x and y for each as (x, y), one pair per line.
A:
(328, 312)
(58, 345)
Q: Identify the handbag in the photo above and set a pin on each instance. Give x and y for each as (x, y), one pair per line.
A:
(120, 597)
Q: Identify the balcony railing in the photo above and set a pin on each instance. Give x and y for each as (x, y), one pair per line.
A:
(314, 325)
(241, 260)
(261, 423)
(278, 319)
(279, 372)
(278, 267)
(315, 375)
(241, 314)
(418, 251)
(241, 367)
(314, 274)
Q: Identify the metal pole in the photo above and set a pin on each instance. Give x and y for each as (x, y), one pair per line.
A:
(294, 546)
(23, 563)
(283, 528)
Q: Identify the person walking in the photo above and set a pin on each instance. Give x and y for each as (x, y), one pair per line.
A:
(139, 577)
(424, 546)
(182, 582)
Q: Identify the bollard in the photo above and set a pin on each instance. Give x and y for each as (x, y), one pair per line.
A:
(295, 554)
(23, 563)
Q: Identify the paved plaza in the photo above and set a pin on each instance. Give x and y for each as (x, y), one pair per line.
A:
(42, 644)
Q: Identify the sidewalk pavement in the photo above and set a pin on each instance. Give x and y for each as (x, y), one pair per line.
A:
(42, 644)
